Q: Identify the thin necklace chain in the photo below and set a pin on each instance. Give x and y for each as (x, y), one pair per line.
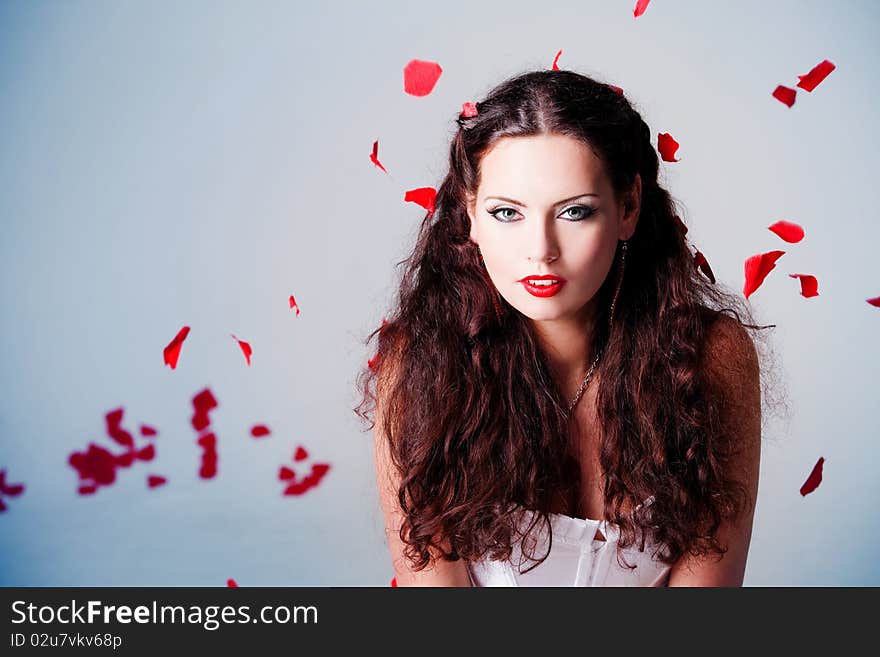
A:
(584, 383)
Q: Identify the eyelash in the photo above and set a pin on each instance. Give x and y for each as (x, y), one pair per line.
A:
(589, 213)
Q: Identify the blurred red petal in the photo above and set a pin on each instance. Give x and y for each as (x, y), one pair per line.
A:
(208, 471)
(756, 269)
(667, 147)
(703, 265)
(394, 581)
(115, 430)
(125, 459)
(874, 302)
(616, 89)
(641, 6)
(419, 77)
(556, 61)
(424, 196)
(87, 489)
(259, 430)
(147, 430)
(230, 583)
(374, 158)
(172, 351)
(293, 303)
(12, 490)
(819, 72)
(301, 454)
(296, 488)
(286, 474)
(815, 477)
(245, 348)
(468, 109)
(208, 441)
(2, 505)
(809, 285)
(784, 95)
(155, 480)
(371, 363)
(147, 453)
(788, 231)
(203, 402)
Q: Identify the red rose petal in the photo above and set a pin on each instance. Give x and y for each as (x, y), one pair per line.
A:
(147, 430)
(809, 285)
(172, 351)
(208, 441)
(87, 489)
(788, 231)
(155, 480)
(292, 301)
(301, 454)
(703, 265)
(419, 77)
(286, 474)
(394, 581)
(96, 463)
(641, 6)
(815, 477)
(13, 490)
(684, 229)
(424, 196)
(125, 459)
(756, 269)
(468, 109)
(115, 430)
(2, 505)
(147, 453)
(784, 95)
(296, 488)
(230, 583)
(667, 147)
(618, 90)
(819, 72)
(374, 158)
(208, 471)
(203, 402)
(555, 61)
(371, 363)
(245, 348)
(259, 430)
(874, 302)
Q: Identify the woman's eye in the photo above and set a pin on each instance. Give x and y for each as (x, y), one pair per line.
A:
(582, 212)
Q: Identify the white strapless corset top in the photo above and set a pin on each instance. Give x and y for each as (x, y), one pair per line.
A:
(576, 558)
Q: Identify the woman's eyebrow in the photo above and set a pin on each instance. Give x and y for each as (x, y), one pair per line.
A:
(523, 205)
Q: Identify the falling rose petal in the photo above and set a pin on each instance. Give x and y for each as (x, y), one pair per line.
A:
(819, 72)
(203, 403)
(208, 471)
(230, 583)
(641, 6)
(616, 89)
(809, 285)
(556, 61)
(147, 430)
(301, 454)
(208, 441)
(125, 459)
(684, 229)
(259, 430)
(703, 265)
(147, 453)
(12, 490)
(667, 147)
(468, 109)
(3, 506)
(788, 231)
(394, 582)
(815, 477)
(874, 302)
(155, 480)
(756, 269)
(286, 474)
(87, 489)
(419, 77)
(245, 348)
(296, 488)
(784, 95)
(293, 304)
(374, 158)
(172, 351)
(96, 463)
(115, 430)
(371, 363)
(424, 196)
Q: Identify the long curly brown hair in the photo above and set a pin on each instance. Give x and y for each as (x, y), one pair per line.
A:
(476, 425)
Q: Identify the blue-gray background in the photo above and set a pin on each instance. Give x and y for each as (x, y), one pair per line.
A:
(172, 163)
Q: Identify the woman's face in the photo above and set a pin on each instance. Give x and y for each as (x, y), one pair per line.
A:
(545, 206)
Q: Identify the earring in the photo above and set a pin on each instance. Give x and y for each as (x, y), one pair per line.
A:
(498, 311)
(619, 281)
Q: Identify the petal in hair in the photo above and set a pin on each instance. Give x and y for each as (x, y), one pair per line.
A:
(468, 109)
(556, 61)
(819, 72)
(809, 285)
(784, 95)
(756, 269)
(788, 231)
(615, 89)
(245, 348)
(424, 196)
(419, 77)
(172, 352)
(667, 147)
(815, 477)
(374, 158)
(703, 265)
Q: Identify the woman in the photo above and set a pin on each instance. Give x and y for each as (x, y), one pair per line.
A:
(600, 430)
